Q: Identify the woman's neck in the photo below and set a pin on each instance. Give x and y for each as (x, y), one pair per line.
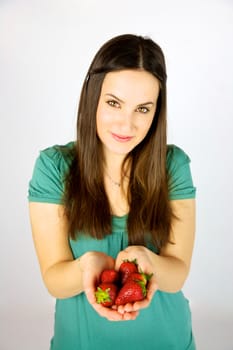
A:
(113, 165)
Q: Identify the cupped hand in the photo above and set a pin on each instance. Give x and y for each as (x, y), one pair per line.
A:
(92, 264)
(143, 257)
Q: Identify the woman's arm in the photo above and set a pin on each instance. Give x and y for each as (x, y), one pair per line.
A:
(63, 275)
(171, 267)
(58, 268)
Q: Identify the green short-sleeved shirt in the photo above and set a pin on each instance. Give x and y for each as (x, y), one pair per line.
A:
(166, 323)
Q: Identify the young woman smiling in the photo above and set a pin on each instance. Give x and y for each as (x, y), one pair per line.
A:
(119, 191)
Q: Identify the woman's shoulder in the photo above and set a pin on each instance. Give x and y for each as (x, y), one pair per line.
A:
(177, 154)
(50, 169)
(60, 156)
(180, 177)
(66, 151)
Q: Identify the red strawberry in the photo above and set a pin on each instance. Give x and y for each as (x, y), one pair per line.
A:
(106, 294)
(138, 277)
(126, 268)
(109, 276)
(130, 292)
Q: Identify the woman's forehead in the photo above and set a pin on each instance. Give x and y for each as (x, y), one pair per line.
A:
(133, 84)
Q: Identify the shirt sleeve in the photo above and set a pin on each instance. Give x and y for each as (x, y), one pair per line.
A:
(46, 184)
(180, 177)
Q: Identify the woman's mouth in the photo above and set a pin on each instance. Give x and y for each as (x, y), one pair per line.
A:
(121, 138)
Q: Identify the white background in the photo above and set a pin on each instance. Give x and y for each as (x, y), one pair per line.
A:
(45, 50)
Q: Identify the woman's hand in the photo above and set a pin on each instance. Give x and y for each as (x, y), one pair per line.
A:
(92, 264)
(143, 258)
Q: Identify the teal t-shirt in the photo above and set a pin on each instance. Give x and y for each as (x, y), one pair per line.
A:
(166, 323)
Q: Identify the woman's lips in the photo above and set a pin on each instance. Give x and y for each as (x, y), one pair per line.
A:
(121, 138)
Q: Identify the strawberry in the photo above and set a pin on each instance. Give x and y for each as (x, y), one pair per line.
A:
(109, 276)
(106, 294)
(130, 292)
(126, 268)
(138, 277)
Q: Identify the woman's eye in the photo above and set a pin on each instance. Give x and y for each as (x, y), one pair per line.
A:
(113, 103)
(143, 109)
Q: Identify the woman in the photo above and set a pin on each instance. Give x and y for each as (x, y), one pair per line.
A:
(119, 192)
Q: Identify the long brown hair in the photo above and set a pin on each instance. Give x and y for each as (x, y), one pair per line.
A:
(85, 199)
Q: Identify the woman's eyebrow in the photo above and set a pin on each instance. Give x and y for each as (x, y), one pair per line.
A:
(146, 103)
(140, 104)
(115, 97)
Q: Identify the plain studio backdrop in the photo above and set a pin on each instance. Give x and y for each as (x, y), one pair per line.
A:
(46, 47)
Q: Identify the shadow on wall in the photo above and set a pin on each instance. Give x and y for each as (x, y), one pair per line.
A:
(213, 328)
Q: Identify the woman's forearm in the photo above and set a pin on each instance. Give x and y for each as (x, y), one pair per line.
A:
(170, 273)
(64, 279)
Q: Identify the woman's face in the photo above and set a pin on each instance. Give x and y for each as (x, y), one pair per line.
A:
(126, 109)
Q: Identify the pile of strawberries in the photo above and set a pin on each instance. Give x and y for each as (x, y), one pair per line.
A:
(121, 287)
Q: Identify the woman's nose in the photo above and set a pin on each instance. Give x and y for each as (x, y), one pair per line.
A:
(126, 120)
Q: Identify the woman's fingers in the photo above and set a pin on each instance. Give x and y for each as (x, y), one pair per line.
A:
(112, 314)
